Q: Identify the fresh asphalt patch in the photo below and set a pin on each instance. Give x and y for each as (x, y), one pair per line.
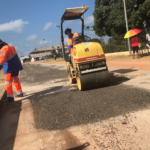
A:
(70, 108)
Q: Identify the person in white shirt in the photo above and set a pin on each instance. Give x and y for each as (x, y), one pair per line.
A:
(148, 38)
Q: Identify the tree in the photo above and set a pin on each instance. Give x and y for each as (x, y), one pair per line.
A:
(56, 53)
(109, 18)
(102, 40)
(88, 28)
(95, 40)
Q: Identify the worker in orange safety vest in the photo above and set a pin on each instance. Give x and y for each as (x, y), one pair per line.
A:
(11, 64)
(72, 37)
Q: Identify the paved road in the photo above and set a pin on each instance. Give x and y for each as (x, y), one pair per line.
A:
(41, 73)
(55, 115)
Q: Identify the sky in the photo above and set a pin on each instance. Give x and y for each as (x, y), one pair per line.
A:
(28, 24)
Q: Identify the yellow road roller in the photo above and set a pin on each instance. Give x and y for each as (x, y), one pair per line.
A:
(87, 65)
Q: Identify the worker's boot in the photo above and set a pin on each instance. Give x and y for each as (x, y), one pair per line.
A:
(9, 100)
(20, 95)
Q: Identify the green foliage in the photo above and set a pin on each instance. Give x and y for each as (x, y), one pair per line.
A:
(88, 28)
(95, 40)
(53, 52)
(109, 18)
(26, 59)
(56, 53)
(112, 47)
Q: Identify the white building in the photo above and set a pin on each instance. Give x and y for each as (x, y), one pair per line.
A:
(40, 52)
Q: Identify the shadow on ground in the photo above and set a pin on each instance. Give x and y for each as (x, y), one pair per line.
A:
(123, 70)
(144, 54)
(116, 80)
(80, 147)
(9, 118)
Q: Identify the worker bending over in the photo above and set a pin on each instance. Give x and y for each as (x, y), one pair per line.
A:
(11, 64)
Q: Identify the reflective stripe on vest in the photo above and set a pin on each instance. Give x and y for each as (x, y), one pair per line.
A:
(16, 79)
(4, 55)
(10, 49)
(7, 82)
(11, 57)
(10, 95)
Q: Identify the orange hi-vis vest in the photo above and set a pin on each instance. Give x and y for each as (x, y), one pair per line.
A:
(70, 42)
(9, 59)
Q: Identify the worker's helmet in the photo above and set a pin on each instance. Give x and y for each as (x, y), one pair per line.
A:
(67, 30)
(1, 42)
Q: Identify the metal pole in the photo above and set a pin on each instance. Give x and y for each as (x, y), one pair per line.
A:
(127, 26)
(45, 47)
(126, 45)
(45, 50)
(83, 15)
(59, 29)
(110, 46)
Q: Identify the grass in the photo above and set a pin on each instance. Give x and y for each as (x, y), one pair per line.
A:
(53, 60)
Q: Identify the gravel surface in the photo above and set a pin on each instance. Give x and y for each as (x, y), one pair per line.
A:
(40, 73)
(54, 115)
(70, 108)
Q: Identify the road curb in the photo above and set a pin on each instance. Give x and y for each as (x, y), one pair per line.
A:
(3, 96)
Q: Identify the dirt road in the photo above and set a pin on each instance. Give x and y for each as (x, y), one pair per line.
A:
(122, 62)
(54, 115)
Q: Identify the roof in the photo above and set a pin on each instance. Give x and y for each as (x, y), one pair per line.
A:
(48, 48)
(40, 55)
(74, 13)
(22, 58)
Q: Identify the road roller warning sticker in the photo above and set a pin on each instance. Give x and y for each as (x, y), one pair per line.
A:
(89, 58)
